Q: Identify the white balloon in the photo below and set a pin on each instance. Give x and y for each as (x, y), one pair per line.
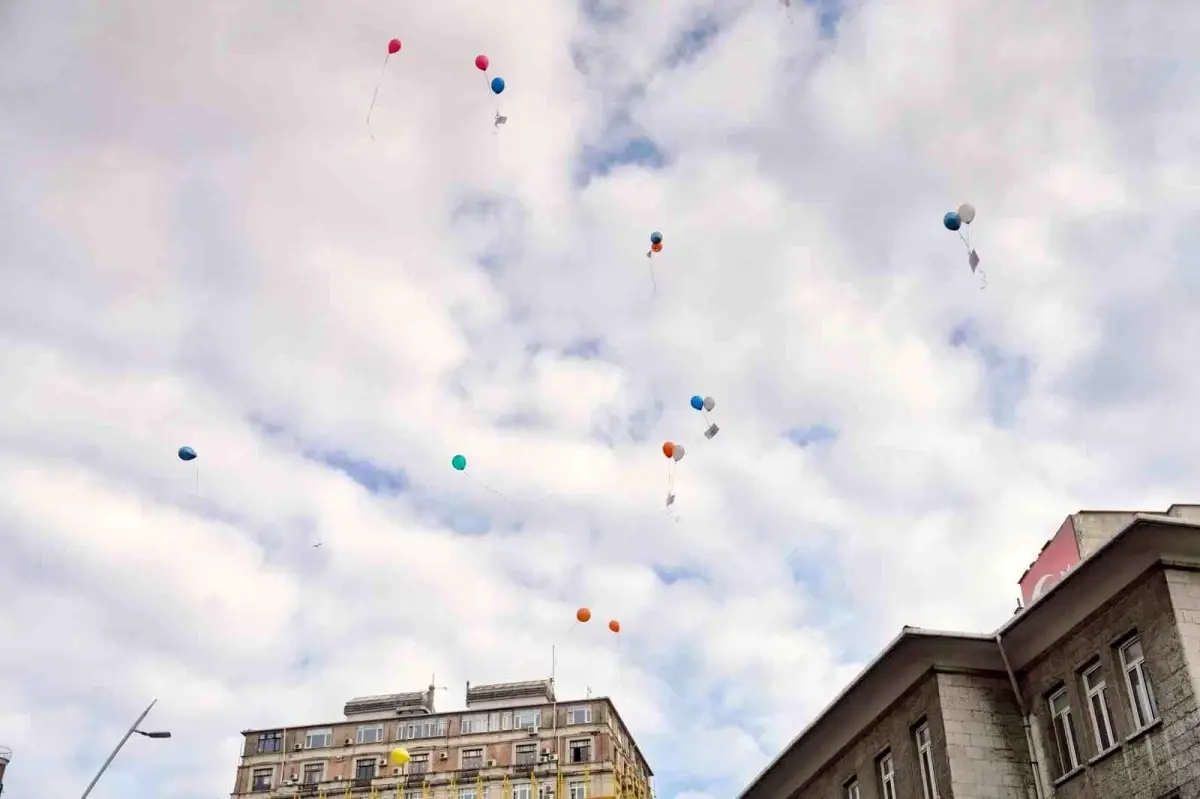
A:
(679, 452)
(966, 212)
(709, 403)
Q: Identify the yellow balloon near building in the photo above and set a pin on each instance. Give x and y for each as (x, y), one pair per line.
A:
(399, 756)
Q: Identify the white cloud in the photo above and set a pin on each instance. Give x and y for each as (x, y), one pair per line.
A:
(203, 246)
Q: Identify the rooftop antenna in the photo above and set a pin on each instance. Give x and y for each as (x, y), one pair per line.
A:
(589, 692)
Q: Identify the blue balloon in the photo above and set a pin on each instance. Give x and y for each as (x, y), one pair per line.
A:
(656, 238)
(698, 402)
(497, 85)
(187, 454)
(952, 220)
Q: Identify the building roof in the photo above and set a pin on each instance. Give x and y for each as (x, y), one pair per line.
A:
(1148, 540)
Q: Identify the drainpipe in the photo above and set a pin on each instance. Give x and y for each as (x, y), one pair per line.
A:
(1033, 761)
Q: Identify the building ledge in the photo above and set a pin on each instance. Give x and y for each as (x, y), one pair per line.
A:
(1105, 754)
(1133, 736)
(1070, 775)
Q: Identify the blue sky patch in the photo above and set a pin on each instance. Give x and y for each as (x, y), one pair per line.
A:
(1007, 376)
(366, 474)
(804, 437)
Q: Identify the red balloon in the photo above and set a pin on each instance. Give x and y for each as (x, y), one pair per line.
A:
(393, 46)
(481, 63)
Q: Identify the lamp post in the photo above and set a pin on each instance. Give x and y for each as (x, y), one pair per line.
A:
(132, 730)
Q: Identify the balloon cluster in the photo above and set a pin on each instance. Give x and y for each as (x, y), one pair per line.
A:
(584, 615)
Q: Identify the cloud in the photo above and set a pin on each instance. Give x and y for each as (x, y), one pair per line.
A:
(203, 246)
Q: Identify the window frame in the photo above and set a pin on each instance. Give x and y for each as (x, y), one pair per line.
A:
(585, 709)
(463, 755)
(423, 760)
(275, 737)
(380, 736)
(1138, 665)
(1091, 692)
(314, 768)
(887, 779)
(1067, 733)
(537, 718)
(472, 718)
(372, 761)
(850, 789)
(437, 725)
(929, 787)
(259, 771)
(571, 746)
(466, 792)
(582, 786)
(525, 786)
(517, 755)
(326, 732)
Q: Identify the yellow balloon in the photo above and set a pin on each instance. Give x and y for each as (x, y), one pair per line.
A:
(400, 756)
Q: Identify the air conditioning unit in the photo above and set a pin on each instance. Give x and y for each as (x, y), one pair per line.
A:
(297, 747)
(338, 778)
(382, 762)
(347, 742)
(531, 729)
(491, 764)
(293, 778)
(396, 771)
(443, 756)
(545, 750)
(553, 758)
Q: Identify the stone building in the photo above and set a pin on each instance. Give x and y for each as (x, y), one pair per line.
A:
(1089, 692)
(513, 741)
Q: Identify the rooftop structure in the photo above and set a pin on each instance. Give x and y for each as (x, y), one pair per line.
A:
(513, 741)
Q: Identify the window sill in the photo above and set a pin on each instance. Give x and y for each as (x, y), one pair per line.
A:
(1133, 736)
(1109, 751)
(1070, 775)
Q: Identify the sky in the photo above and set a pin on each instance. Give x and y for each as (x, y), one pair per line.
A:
(201, 244)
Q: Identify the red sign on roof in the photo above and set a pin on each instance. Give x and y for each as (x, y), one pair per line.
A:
(1058, 557)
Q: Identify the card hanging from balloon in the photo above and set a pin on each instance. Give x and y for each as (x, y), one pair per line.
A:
(392, 48)
(954, 221)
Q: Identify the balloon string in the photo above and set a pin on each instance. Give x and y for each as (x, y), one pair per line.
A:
(620, 665)
(375, 95)
(653, 282)
(983, 275)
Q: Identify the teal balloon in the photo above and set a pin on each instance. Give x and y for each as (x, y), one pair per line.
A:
(459, 462)
(187, 454)
(952, 220)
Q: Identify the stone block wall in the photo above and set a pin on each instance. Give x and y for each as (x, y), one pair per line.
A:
(893, 731)
(985, 738)
(1145, 764)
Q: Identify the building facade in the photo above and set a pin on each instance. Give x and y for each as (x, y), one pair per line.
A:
(513, 741)
(5, 756)
(1091, 691)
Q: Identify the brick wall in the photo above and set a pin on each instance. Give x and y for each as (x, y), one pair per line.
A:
(894, 731)
(1145, 765)
(985, 738)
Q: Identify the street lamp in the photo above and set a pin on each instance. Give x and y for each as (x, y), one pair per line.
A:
(132, 730)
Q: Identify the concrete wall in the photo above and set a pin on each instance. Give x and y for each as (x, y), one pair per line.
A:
(894, 731)
(985, 738)
(1144, 765)
(1094, 528)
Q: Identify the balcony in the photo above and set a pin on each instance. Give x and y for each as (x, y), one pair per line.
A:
(306, 789)
(361, 782)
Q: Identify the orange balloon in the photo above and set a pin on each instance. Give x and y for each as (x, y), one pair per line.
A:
(669, 449)
(656, 247)
(615, 626)
(583, 615)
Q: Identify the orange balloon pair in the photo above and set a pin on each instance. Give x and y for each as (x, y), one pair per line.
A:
(583, 616)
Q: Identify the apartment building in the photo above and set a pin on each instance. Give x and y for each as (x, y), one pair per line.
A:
(1090, 691)
(513, 741)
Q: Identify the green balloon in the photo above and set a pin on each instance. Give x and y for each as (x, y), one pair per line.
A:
(459, 462)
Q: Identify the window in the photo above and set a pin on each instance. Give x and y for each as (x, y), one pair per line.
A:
(925, 758)
(851, 790)
(581, 750)
(318, 739)
(426, 728)
(887, 776)
(472, 758)
(577, 790)
(526, 754)
(580, 715)
(1065, 741)
(364, 768)
(520, 790)
(474, 724)
(313, 773)
(466, 793)
(270, 742)
(262, 779)
(1097, 697)
(419, 764)
(370, 735)
(524, 718)
(1137, 682)
(412, 795)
